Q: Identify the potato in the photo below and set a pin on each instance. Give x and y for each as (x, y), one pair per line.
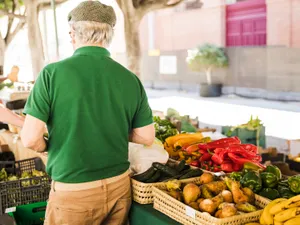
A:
(216, 187)
(206, 178)
(218, 213)
(228, 211)
(200, 200)
(227, 196)
(207, 205)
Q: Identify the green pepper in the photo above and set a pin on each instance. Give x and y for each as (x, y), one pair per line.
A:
(236, 176)
(252, 181)
(285, 192)
(248, 166)
(269, 193)
(275, 170)
(294, 183)
(269, 179)
(283, 183)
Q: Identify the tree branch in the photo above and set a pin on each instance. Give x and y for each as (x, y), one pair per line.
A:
(151, 5)
(10, 19)
(11, 36)
(12, 15)
(46, 4)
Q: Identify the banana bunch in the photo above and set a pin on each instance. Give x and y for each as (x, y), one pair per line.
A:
(282, 211)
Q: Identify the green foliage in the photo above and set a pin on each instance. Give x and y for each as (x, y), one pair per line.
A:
(206, 57)
(8, 4)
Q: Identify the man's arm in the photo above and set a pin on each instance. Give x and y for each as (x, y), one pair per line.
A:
(32, 134)
(143, 135)
(9, 117)
(37, 110)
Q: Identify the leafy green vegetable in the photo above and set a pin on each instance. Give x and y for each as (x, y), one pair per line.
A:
(3, 175)
(163, 128)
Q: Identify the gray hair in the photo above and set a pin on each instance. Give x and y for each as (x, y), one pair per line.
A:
(89, 32)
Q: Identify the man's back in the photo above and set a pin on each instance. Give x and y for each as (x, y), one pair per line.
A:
(93, 104)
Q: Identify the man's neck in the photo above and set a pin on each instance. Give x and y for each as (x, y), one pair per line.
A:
(89, 45)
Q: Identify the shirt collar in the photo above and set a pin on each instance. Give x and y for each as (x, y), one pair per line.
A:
(92, 50)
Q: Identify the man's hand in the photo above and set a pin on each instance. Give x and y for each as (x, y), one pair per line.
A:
(32, 134)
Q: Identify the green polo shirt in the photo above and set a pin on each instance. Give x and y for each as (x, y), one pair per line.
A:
(90, 104)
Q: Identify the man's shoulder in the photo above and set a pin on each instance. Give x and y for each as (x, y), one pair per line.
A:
(59, 64)
(114, 65)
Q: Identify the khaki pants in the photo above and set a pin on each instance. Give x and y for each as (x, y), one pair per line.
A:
(107, 204)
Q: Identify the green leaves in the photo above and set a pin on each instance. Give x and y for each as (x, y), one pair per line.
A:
(205, 57)
(8, 4)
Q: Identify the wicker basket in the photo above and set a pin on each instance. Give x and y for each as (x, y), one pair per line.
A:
(188, 216)
(142, 192)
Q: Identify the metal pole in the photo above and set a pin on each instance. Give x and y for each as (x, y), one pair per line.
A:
(45, 36)
(55, 27)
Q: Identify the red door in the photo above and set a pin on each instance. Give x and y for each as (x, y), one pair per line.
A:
(246, 23)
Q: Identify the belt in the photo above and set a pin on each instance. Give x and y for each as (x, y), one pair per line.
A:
(59, 186)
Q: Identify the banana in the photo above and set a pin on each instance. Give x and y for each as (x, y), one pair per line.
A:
(266, 218)
(293, 221)
(287, 214)
(290, 203)
(277, 223)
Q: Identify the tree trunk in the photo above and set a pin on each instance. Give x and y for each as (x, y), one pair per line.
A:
(2, 54)
(132, 19)
(208, 76)
(34, 37)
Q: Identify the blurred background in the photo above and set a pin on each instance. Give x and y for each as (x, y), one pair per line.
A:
(257, 71)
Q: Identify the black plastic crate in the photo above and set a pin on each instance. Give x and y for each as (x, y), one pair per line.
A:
(24, 191)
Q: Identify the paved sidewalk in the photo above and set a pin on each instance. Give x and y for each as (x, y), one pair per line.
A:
(282, 119)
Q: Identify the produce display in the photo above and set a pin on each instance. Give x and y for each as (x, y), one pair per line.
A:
(164, 128)
(252, 124)
(219, 198)
(282, 211)
(268, 182)
(159, 172)
(4, 177)
(176, 145)
(226, 154)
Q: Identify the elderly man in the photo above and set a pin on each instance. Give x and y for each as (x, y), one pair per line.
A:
(93, 107)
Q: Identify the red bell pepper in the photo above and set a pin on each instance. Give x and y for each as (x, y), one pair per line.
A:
(227, 167)
(216, 168)
(218, 150)
(217, 159)
(237, 149)
(205, 166)
(202, 151)
(240, 160)
(221, 143)
(205, 157)
(195, 163)
(250, 147)
(237, 167)
(191, 148)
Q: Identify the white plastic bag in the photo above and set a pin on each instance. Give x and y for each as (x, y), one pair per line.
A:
(142, 157)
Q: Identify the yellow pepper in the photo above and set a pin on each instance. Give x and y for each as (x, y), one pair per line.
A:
(189, 160)
(186, 141)
(181, 155)
(171, 140)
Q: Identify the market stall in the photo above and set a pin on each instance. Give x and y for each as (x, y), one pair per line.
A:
(208, 179)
